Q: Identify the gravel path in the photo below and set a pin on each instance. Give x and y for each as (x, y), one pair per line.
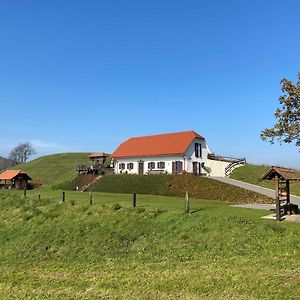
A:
(254, 188)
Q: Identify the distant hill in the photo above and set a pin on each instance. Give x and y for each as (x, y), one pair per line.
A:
(53, 171)
(252, 173)
(6, 163)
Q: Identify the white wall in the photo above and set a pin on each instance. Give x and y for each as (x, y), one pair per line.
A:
(217, 167)
(167, 159)
(190, 156)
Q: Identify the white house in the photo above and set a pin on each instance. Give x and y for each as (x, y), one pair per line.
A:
(171, 153)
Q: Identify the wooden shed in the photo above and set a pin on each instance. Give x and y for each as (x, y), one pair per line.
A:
(14, 179)
(283, 177)
(98, 158)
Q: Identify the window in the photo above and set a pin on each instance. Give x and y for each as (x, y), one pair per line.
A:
(151, 165)
(161, 165)
(198, 150)
(121, 166)
(130, 166)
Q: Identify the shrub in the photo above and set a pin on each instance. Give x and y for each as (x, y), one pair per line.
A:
(116, 206)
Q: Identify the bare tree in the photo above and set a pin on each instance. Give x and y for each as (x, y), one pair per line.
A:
(21, 152)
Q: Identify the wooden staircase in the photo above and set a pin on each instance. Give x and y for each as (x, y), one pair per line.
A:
(88, 185)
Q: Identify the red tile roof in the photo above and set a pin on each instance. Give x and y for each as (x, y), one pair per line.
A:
(9, 174)
(157, 145)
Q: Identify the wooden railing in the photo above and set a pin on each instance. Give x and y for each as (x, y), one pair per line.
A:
(233, 165)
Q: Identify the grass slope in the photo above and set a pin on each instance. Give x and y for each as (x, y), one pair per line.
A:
(108, 251)
(252, 173)
(54, 170)
(169, 185)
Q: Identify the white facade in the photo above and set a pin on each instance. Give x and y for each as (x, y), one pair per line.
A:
(187, 162)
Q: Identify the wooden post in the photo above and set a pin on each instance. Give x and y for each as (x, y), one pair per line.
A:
(187, 203)
(288, 198)
(90, 197)
(39, 196)
(134, 199)
(278, 208)
(63, 197)
(24, 192)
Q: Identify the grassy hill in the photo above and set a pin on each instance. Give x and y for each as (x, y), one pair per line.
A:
(170, 185)
(109, 251)
(252, 173)
(55, 170)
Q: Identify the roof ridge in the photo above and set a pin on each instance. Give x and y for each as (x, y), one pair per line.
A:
(168, 133)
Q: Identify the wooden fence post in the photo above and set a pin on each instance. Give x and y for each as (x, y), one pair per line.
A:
(39, 196)
(90, 197)
(24, 195)
(134, 199)
(63, 197)
(187, 203)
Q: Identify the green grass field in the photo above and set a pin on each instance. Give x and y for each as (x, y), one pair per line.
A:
(108, 250)
(252, 173)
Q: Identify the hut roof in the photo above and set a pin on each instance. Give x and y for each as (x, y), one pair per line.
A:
(10, 174)
(282, 173)
(98, 154)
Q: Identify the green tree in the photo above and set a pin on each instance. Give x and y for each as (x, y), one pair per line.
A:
(287, 128)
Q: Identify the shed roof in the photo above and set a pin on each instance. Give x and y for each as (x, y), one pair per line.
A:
(156, 145)
(10, 174)
(98, 154)
(282, 173)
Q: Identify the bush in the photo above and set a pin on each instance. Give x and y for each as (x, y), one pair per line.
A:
(116, 206)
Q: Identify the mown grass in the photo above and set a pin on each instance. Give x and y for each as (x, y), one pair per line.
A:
(170, 185)
(54, 171)
(252, 174)
(80, 251)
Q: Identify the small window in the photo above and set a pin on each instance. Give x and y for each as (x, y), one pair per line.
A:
(151, 165)
(122, 166)
(161, 165)
(130, 166)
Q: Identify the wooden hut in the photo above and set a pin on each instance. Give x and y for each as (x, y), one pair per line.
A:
(98, 158)
(282, 177)
(14, 179)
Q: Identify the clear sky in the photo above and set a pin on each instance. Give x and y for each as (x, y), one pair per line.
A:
(86, 75)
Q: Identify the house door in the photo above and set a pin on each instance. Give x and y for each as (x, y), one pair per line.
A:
(176, 167)
(141, 168)
(195, 168)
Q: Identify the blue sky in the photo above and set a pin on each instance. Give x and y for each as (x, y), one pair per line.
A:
(85, 75)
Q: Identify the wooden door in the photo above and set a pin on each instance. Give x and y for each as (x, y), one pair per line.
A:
(195, 169)
(176, 167)
(141, 168)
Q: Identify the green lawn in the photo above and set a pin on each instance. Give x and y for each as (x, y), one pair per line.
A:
(108, 250)
(252, 173)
